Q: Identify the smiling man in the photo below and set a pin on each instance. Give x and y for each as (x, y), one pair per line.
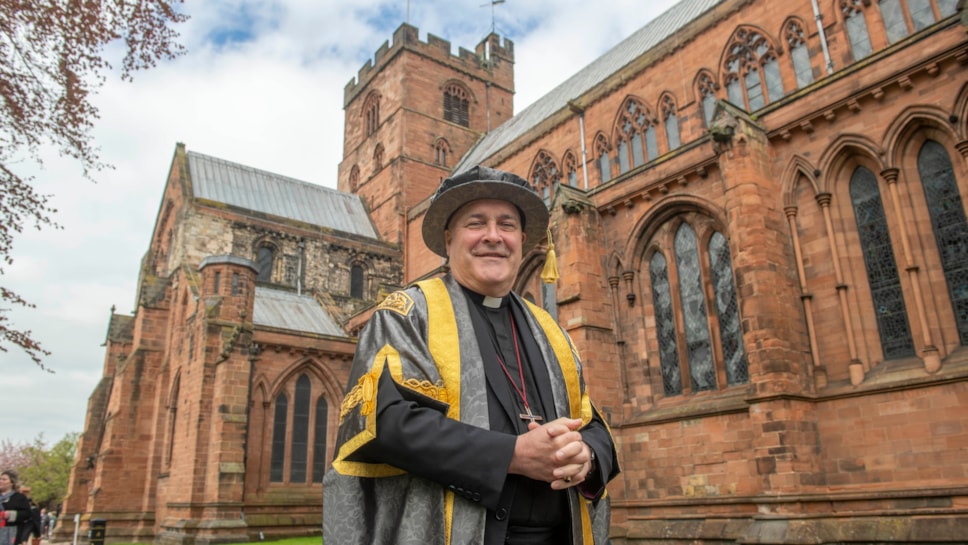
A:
(466, 419)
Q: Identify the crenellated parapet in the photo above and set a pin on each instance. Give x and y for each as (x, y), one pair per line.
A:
(492, 59)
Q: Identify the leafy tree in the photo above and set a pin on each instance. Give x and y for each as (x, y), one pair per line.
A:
(46, 470)
(51, 62)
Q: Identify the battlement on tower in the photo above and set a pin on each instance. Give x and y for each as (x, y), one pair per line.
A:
(490, 53)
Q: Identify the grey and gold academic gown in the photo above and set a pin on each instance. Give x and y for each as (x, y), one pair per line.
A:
(445, 481)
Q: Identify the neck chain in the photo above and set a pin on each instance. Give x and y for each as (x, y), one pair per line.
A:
(523, 390)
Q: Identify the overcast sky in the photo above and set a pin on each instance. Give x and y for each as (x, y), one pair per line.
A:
(262, 85)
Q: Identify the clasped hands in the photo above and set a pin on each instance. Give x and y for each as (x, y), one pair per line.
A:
(553, 452)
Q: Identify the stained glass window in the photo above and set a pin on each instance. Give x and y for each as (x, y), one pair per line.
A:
(727, 310)
(279, 439)
(752, 59)
(693, 303)
(665, 326)
(707, 89)
(604, 168)
(545, 176)
(950, 227)
(885, 284)
(571, 169)
(671, 122)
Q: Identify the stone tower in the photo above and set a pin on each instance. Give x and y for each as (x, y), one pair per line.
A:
(411, 113)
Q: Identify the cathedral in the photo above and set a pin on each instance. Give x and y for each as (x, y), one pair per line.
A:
(758, 211)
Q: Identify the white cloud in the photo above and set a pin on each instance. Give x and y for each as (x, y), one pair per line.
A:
(272, 101)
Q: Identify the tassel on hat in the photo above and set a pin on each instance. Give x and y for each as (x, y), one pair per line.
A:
(549, 275)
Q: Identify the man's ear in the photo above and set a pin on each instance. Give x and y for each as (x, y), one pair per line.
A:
(447, 242)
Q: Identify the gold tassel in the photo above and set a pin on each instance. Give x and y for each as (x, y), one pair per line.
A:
(549, 275)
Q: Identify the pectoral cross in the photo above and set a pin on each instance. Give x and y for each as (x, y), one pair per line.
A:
(528, 415)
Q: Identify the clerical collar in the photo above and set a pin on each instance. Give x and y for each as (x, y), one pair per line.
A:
(486, 300)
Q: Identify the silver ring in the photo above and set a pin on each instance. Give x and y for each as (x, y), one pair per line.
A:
(567, 479)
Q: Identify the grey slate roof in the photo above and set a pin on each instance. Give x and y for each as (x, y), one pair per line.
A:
(260, 191)
(587, 78)
(299, 313)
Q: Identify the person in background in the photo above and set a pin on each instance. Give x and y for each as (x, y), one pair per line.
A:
(30, 529)
(14, 508)
(466, 419)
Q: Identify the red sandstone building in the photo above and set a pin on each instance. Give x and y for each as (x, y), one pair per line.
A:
(759, 212)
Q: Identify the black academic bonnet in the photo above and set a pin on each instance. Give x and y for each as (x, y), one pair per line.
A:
(482, 182)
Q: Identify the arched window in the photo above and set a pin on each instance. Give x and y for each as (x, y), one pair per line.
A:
(354, 177)
(947, 211)
(686, 279)
(236, 285)
(671, 122)
(304, 445)
(545, 176)
(356, 282)
(752, 72)
(885, 284)
(378, 158)
(278, 463)
(441, 151)
(265, 255)
(707, 92)
(457, 104)
(635, 135)
(218, 281)
(604, 165)
(856, 25)
(371, 113)
(799, 53)
(570, 164)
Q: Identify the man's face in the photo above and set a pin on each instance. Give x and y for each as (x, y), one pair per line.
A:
(484, 240)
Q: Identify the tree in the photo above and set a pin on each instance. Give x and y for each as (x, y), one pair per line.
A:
(46, 470)
(51, 62)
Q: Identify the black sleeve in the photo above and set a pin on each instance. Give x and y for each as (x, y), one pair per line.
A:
(418, 437)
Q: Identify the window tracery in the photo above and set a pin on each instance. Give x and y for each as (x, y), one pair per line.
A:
(457, 104)
(545, 176)
(752, 72)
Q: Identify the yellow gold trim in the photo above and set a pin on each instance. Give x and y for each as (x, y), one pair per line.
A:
(398, 301)
(443, 341)
(562, 348)
(586, 522)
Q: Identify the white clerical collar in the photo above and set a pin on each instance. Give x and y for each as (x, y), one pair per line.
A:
(492, 302)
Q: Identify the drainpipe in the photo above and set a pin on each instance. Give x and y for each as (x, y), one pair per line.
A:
(581, 134)
(823, 37)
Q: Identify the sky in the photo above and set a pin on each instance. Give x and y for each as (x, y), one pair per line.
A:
(261, 85)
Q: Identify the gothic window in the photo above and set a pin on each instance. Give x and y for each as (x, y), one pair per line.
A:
(570, 165)
(371, 113)
(278, 462)
(692, 273)
(354, 178)
(441, 151)
(236, 287)
(456, 104)
(856, 25)
(635, 136)
(947, 211)
(319, 443)
(604, 165)
(671, 122)
(799, 53)
(882, 276)
(291, 448)
(218, 281)
(707, 92)
(545, 176)
(752, 70)
(378, 158)
(265, 256)
(356, 282)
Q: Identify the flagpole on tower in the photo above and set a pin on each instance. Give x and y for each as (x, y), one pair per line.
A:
(492, 4)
